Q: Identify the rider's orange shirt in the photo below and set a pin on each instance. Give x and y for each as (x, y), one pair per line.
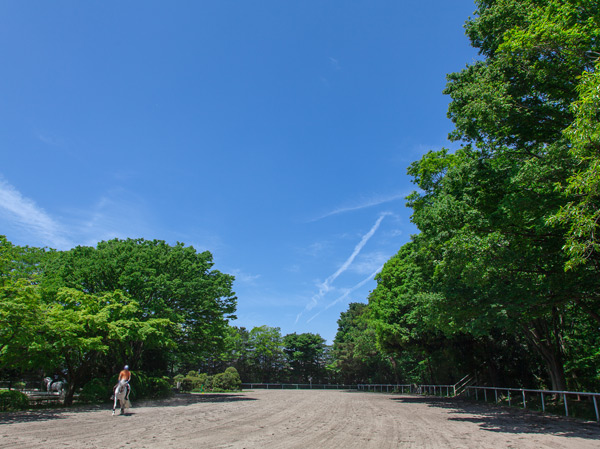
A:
(125, 375)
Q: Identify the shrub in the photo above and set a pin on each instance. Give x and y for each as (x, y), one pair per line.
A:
(19, 385)
(187, 384)
(227, 381)
(159, 387)
(177, 380)
(194, 381)
(233, 378)
(96, 390)
(11, 400)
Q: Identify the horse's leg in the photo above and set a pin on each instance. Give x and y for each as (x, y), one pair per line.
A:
(115, 403)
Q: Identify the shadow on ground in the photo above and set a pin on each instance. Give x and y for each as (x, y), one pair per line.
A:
(178, 400)
(494, 418)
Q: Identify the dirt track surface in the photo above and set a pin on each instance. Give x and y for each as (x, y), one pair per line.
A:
(269, 419)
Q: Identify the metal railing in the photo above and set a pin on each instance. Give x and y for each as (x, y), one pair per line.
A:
(542, 393)
(284, 386)
(388, 387)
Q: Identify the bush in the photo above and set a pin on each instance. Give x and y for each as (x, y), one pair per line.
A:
(196, 382)
(11, 400)
(159, 387)
(96, 390)
(19, 385)
(177, 380)
(233, 378)
(187, 384)
(227, 381)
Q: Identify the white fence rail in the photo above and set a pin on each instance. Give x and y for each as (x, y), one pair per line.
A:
(522, 392)
(282, 386)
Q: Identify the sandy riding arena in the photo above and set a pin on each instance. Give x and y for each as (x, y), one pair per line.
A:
(295, 419)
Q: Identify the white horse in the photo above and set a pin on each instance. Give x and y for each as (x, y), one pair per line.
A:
(121, 391)
(57, 385)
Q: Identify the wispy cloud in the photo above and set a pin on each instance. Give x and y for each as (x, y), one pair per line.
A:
(117, 214)
(325, 286)
(25, 215)
(334, 63)
(362, 204)
(240, 276)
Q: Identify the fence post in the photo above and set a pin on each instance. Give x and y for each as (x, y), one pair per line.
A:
(524, 403)
(476, 394)
(566, 407)
(543, 405)
(596, 408)
(496, 394)
(485, 394)
(508, 398)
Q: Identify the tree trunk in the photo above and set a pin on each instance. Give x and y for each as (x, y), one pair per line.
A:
(69, 394)
(547, 343)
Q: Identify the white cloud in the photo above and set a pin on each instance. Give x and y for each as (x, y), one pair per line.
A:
(246, 278)
(30, 219)
(118, 214)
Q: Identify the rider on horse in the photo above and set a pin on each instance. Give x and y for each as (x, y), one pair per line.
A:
(53, 381)
(125, 374)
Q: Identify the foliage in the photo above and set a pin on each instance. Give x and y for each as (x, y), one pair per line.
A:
(356, 358)
(266, 356)
(486, 270)
(202, 382)
(196, 381)
(96, 390)
(227, 381)
(81, 327)
(173, 283)
(159, 387)
(20, 306)
(305, 354)
(12, 400)
(582, 212)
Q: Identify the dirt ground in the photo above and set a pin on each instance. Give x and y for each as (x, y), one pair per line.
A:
(270, 419)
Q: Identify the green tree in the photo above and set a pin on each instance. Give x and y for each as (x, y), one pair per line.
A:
(79, 328)
(582, 212)
(20, 305)
(265, 353)
(169, 282)
(356, 356)
(496, 252)
(305, 355)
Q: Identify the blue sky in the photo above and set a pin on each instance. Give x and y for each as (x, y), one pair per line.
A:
(275, 134)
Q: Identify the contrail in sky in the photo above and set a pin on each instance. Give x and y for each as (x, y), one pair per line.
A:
(325, 286)
(375, 201)
(347, 293)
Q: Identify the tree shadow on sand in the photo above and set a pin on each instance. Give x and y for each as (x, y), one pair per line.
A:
(177, 400)
(493, 418)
